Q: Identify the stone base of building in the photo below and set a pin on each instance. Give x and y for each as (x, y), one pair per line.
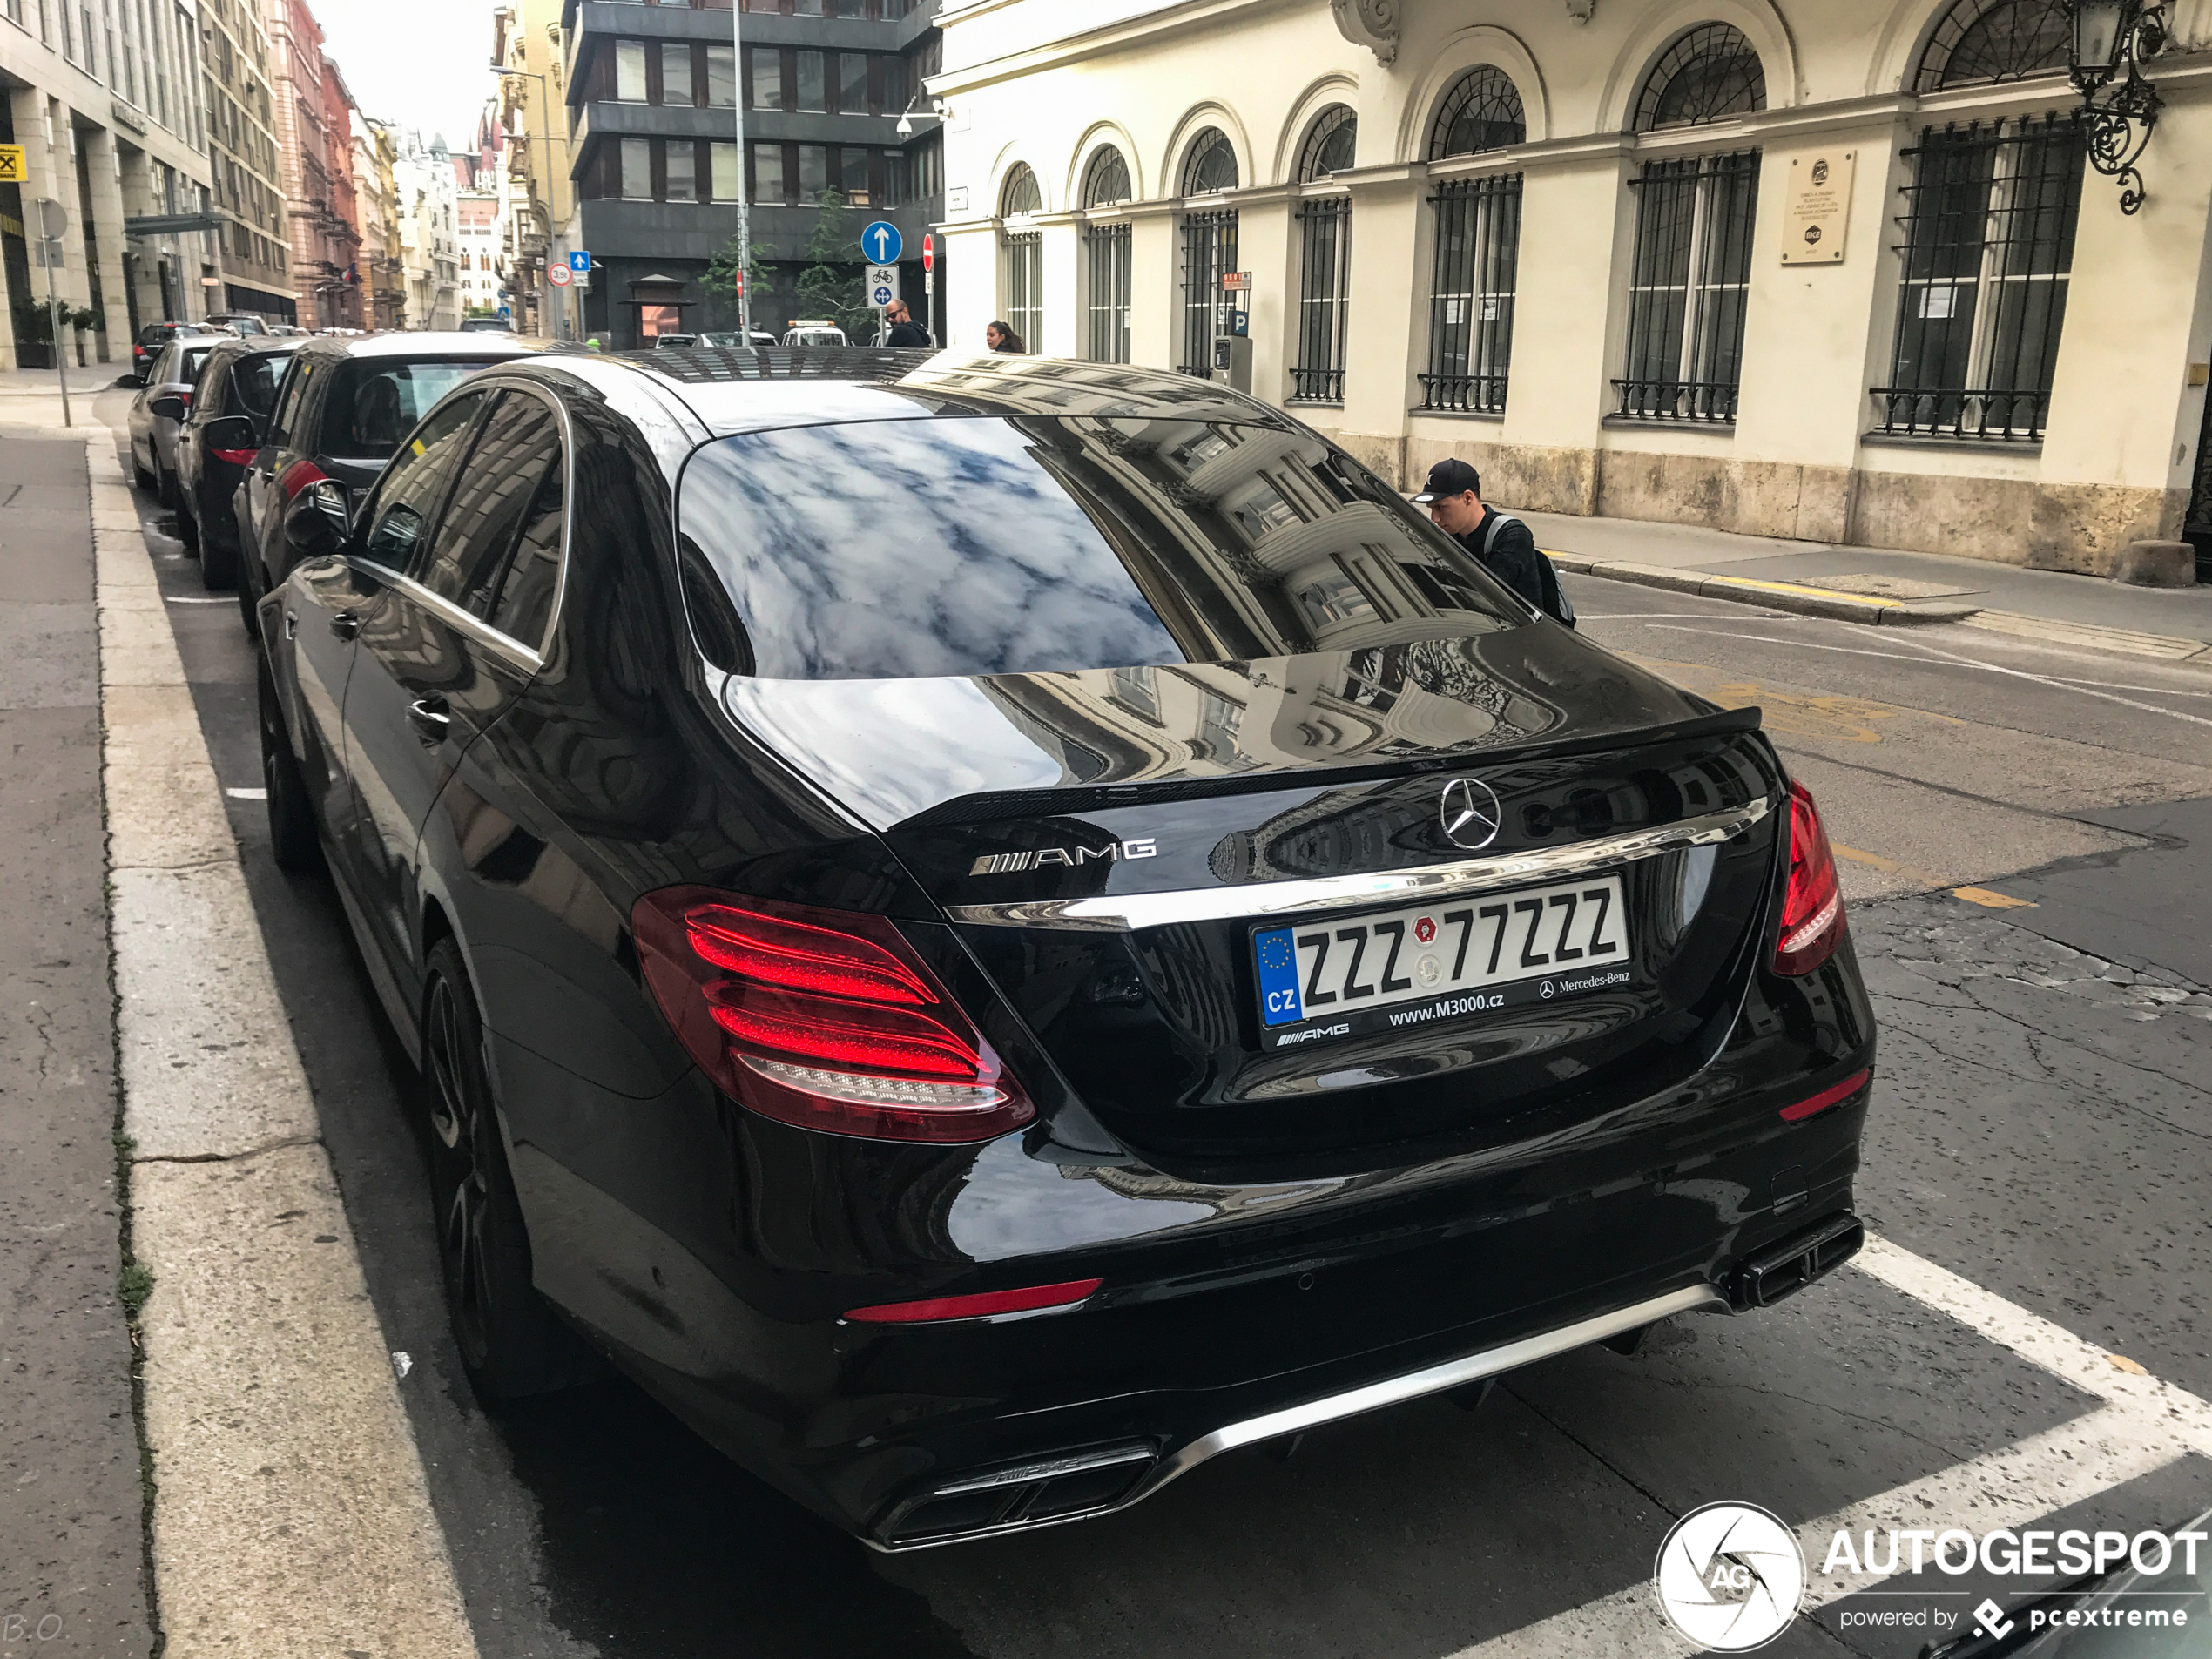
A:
(2080, 528)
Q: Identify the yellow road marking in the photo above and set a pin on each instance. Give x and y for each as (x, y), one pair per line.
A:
(1816, 593)
(1888, 866)
(1989, 900)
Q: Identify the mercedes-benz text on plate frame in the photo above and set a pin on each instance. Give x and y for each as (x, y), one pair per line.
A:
(1470, 813)
(1405, 968)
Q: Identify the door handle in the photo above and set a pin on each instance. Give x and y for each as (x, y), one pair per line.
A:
(291, 624)
(346, 625)
(429, 717)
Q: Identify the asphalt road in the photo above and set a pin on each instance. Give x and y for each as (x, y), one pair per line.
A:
(2038, 1127)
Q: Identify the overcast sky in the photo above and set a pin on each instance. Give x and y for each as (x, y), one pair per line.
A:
(419, 63)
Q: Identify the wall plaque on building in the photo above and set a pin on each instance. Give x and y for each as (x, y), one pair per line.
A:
(1819, 210)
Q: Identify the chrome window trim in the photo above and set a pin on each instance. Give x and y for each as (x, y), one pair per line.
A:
(464, 622)
(1331, 1408)
(1134, 911)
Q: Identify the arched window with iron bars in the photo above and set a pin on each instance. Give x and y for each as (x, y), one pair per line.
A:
(1473, 275)
(1107, 259)
(1022, 257)
(1209, 249)
(1988, 227)
(1325, 247)
(1690, 275)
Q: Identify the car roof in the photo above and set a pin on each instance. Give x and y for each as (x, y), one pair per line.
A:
(424, 344)
(258, 345)
(732, 389)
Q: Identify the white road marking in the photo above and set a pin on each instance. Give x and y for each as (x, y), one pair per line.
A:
(248, 794)
(1901, 657)
(199, 599)
(2079, 688)
(2145, 1426)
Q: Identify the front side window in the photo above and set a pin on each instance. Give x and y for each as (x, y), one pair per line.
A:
(1032, 543)
(253, 382)
(1688, 287)
(1989, 232)
(405, 504)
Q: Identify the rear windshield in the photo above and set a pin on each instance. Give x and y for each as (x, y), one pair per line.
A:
(376, 402)
(191, 360)
(956, 546)
(253, 382)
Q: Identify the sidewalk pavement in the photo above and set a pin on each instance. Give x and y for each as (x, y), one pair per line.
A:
(30, 399)
(1871, 585)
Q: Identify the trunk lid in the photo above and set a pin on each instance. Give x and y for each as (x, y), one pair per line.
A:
(1111, 846)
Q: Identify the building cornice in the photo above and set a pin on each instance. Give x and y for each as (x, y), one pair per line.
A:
(1183, 16)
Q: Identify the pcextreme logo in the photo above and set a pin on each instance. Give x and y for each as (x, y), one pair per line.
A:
(1729, 1577)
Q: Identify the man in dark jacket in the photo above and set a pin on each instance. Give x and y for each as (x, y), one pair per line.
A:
(904, 330)
(1499, 542)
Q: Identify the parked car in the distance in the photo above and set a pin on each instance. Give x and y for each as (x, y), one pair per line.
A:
(735, 337)
(230, 410)
(486, 326)
(146, 349)
(345, 404)
(815, 333)
(160, 408)
(244, 324)
(674, 342)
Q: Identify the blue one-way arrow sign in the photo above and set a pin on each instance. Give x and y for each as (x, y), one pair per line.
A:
(881, 242)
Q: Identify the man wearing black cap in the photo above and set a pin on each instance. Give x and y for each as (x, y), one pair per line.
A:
(1500, 543)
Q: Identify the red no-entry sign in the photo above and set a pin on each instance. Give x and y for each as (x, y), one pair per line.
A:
(929, 253)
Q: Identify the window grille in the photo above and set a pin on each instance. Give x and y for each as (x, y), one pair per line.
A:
(1988, 223)
(1482, 112)
(1106, 253)
(1994, 40)
(1210, 166)
(1209, 253)
(1324, 297)
(1687, 287)
(1712, 73)
(1106, 181)
(1471, 294)
(1329, 144)
(1020, 194)
(1022, 280)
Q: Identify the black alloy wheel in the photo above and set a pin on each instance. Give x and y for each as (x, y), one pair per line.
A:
(292, 823)
(512, 1342)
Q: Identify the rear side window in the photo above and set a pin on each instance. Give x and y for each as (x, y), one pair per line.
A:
(986, 545)
(496, 503)
(374, 404)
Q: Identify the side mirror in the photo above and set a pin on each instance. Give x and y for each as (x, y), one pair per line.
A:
(170, 407)
(234, 433)
(329, 499)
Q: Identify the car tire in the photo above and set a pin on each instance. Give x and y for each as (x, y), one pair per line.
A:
(187, 526)
(145, 480)
(165, 486)
(512, 1343)
(218, 565)
(243, 566)
(291, 819)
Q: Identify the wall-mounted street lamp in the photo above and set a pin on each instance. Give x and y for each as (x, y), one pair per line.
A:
(2113, 37)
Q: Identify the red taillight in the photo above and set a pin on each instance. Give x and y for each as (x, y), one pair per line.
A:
(297, 476)
(825, 1019)
(1027, 1300)
(1812, 909)
(236, 457)
(1816, 1105)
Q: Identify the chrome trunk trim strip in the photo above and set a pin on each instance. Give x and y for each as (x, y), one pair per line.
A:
(1133, 912)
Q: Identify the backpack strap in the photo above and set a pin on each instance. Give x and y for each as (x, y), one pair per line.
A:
(1498, 521)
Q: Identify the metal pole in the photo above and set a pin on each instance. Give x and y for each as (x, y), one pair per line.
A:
(745, 208)
(54, 313)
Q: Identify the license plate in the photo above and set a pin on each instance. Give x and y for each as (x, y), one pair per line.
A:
(1404, 969)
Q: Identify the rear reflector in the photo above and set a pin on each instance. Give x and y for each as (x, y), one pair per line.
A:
(1821, 1102)
(825, 1019)
(1027, 1300)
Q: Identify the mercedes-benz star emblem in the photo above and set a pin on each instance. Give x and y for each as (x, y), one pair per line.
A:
(1470, 814)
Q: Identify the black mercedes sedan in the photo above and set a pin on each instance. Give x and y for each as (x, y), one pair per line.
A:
(990, 930)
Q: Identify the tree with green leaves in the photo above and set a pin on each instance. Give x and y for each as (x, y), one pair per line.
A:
(760, 275)
(831, 287)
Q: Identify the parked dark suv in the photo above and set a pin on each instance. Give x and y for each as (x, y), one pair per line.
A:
(341, 410)
(145, 350)
(230, 411)
(991, 929)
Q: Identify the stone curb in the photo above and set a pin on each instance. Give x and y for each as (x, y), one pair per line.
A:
(1889, 613)
(291, 1519)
